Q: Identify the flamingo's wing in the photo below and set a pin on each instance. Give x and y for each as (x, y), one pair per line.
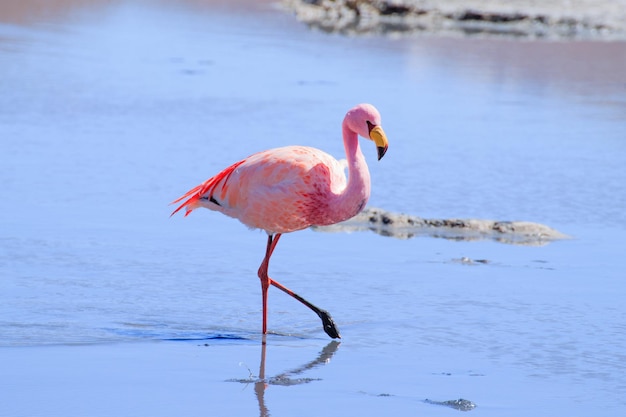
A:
(278, 190)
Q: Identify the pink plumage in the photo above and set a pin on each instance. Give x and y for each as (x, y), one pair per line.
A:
(280, 190)
(294, 187)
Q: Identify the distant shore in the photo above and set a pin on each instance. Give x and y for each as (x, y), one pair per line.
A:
(549, 19)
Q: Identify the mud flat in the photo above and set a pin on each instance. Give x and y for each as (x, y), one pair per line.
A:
(550, 19)
(405, 226)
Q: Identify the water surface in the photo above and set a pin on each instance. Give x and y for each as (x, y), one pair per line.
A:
(110, 111)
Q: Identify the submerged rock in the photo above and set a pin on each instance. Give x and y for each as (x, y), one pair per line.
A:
(460, 404)
(553, 19)
(404, 226)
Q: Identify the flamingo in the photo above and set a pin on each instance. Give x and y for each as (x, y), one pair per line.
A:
(291, 188)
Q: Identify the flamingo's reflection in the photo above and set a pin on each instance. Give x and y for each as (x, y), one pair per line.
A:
(287, 378)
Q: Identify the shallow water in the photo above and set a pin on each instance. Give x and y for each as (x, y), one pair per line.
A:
(108, 112)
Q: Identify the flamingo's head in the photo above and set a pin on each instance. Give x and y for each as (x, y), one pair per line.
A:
(364, 119)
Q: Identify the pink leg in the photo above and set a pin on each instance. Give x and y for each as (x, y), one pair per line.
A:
(327, 321)
(265, 279)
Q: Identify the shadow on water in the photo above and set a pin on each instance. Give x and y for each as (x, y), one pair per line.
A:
(163, 332)
(287, 378)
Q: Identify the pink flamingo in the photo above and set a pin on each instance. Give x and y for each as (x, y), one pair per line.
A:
(291, 188)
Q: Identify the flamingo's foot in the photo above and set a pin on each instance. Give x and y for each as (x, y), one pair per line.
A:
(329, 324)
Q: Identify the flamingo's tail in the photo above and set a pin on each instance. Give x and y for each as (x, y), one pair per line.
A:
(194, 195)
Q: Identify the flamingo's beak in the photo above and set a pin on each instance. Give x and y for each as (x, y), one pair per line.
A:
(377, 134)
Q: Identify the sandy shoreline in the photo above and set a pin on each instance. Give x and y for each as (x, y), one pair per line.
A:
(555, 19)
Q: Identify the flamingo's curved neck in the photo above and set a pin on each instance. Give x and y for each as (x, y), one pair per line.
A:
(357, 192)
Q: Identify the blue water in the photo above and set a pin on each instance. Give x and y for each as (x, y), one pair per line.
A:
(109, 112)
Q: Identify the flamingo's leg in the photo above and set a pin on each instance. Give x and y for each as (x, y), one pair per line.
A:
(327, 321)
(265, 279)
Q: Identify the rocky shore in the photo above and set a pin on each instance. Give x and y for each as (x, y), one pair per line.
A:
(534, 19)
(405, 226)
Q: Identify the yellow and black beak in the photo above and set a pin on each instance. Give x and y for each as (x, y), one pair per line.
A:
(377, 134)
